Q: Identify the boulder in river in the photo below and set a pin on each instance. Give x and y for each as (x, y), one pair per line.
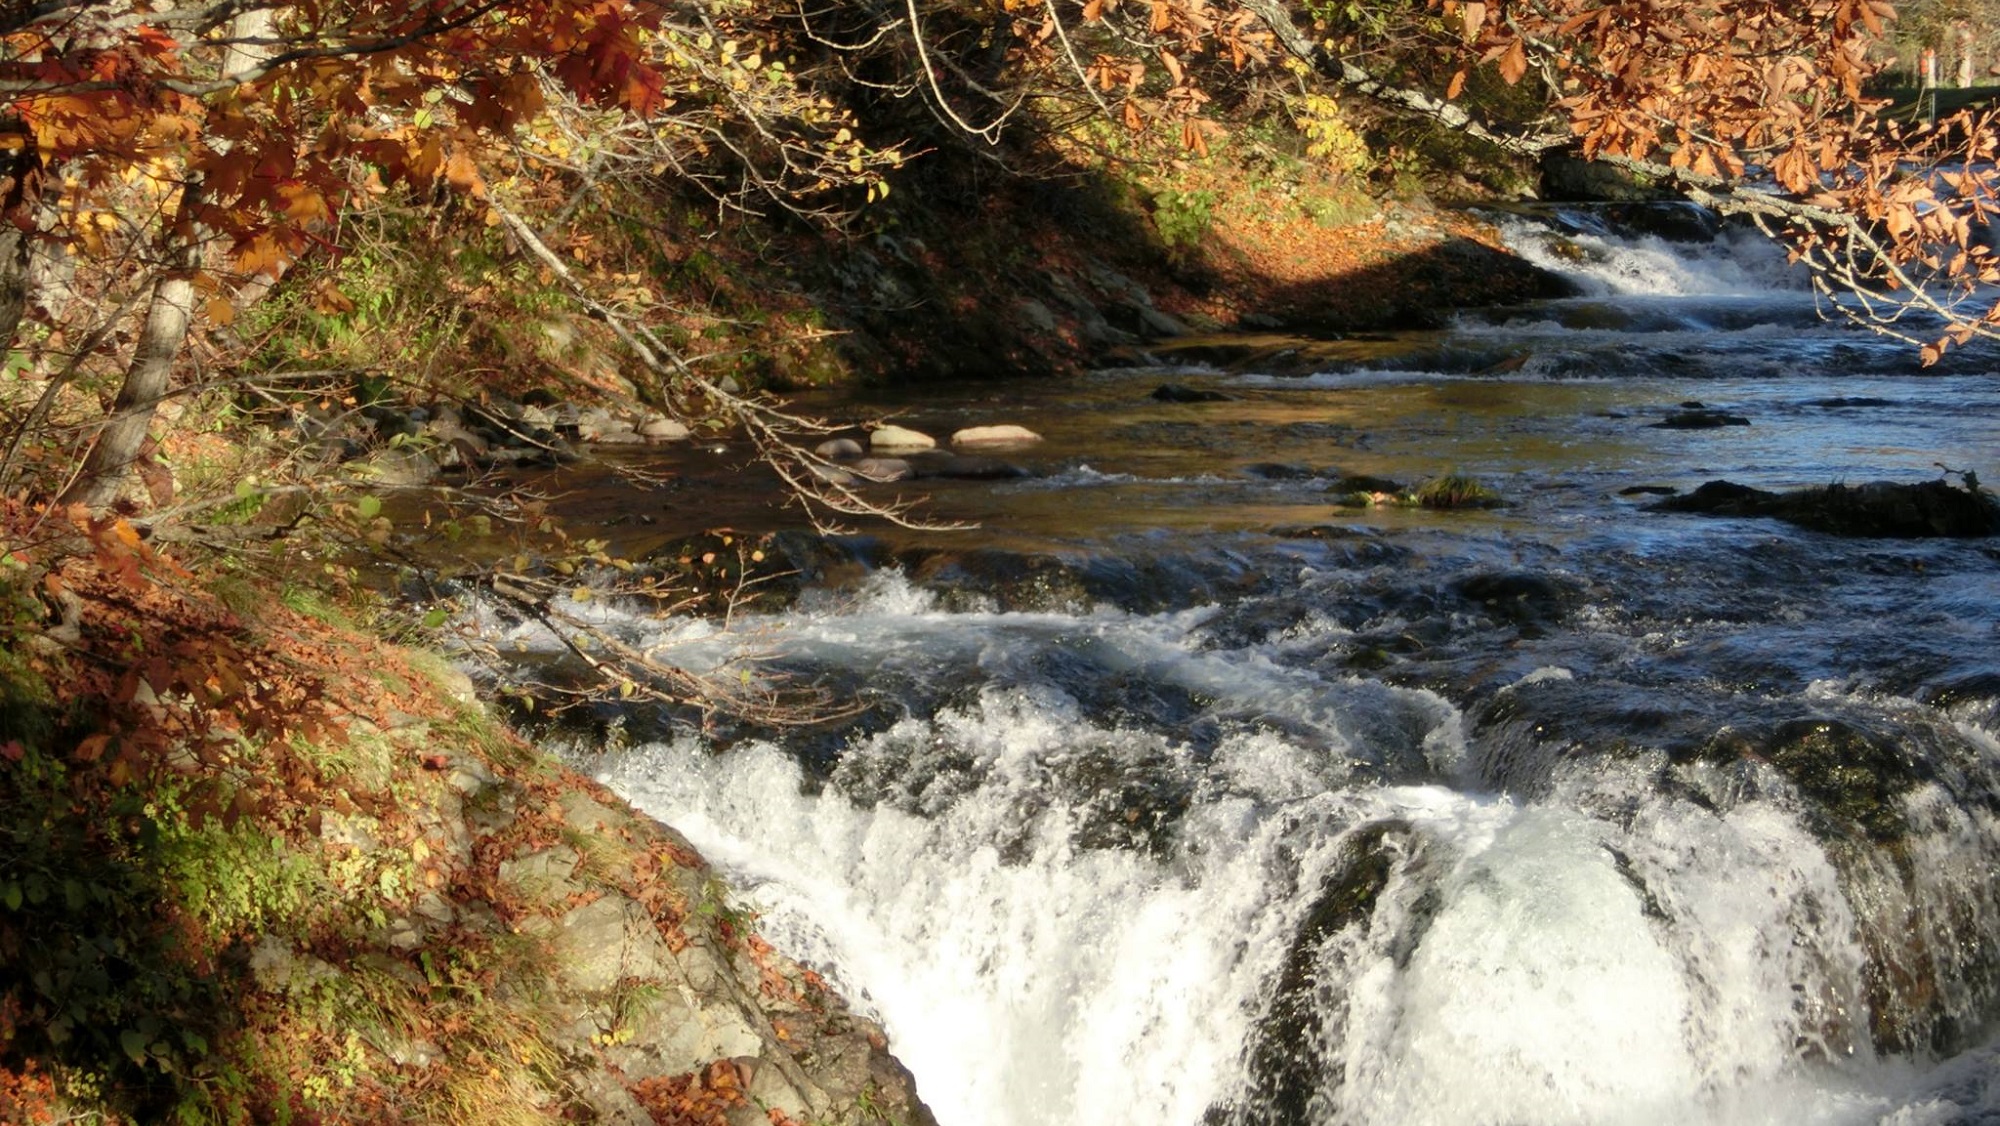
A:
(1700, 418)
(1881, 509)
(1181, 393)
(882, 468)
(839, 449)
(962, 467)
(1280, 471)
(1003, 436)
(660, 428)
(1363, 483)
(899, 439)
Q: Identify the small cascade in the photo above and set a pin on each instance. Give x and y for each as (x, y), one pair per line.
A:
(1657, 250)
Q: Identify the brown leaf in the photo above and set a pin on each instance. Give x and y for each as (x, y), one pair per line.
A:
(1473, 16)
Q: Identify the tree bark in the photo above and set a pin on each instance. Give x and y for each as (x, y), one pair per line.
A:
(122, 442)
(20, 173)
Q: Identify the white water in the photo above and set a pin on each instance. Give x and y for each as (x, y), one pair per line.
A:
(1030, 981)
(1740, 263)
(1610, 951)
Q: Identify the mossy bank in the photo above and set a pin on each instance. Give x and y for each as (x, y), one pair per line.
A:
(371, 904)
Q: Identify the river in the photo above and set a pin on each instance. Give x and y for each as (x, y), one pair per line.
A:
(1178, 793)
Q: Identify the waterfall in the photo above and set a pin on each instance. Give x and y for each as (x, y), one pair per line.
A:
(1319, 916)
(1606, 258)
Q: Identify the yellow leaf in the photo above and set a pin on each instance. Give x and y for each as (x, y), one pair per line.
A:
(221, 310)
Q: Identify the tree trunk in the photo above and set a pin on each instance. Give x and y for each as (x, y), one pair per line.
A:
(122, 442)
(13, 283)
(20, 173)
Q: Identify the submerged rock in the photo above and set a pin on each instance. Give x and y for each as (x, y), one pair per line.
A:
(962, 467)
(1363, 483)
(1181, 393)
(882, 469)
(1850, 401)
(1702, 418)
(1299, 1044)
(1279, 471)
(1881, 509)
(1526, 598)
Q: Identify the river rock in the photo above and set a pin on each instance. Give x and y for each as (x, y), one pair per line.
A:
(899, 439)
(839, 449)
(1850, 401)
(1880, 509)
(1279, 471)
(601, 426)
(1290, 1042)
(1363, 483)
(963, 467)
(882, 469)
(660, 428)
(1181, 393)
(1702, 418)
(994, 437)
(400, 467)
(1533, 600)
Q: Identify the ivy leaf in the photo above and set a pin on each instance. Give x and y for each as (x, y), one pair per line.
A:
(134, 1043)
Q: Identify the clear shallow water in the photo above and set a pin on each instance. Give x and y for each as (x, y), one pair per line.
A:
(1180, 795)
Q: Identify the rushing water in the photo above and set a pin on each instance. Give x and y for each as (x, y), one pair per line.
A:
(1180, 795)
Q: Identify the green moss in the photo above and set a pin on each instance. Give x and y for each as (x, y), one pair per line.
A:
(1455, 490)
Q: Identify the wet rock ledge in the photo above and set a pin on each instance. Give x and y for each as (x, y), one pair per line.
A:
(651, 998)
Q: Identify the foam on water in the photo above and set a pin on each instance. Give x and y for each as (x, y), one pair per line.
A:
(1739, 262)
(1605, 954)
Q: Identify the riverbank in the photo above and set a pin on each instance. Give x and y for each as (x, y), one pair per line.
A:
(258, 865)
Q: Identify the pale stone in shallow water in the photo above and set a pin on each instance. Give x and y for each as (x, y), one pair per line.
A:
(660, 428)
(839, 449)
(899, 438)
(994, 437)
(882, 468)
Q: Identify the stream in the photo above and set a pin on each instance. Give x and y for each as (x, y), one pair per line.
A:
(1179, 793)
